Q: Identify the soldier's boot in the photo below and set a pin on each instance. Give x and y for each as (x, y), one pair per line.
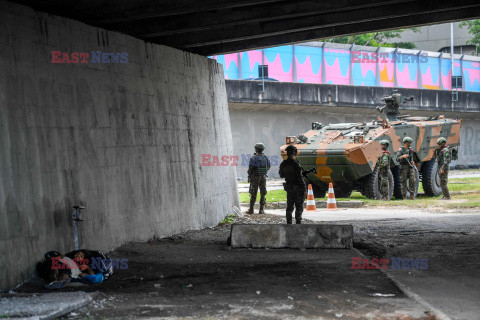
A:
(446, 192)
(252, 205)
(261, 210)
(298, 213)
(262, 204)
(251, 209)
(289, 217)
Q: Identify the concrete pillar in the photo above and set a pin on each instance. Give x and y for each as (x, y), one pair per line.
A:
(239, 63)
(377, 69)
(440, 81)
(324, 74)
(294, 65)
(350, 65)
(125, 140)
(395, 81)
(419, 71)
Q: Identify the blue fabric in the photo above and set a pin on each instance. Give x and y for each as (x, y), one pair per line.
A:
(94, 278)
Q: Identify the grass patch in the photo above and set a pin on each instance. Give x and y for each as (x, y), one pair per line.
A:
(272, 196)
(470, 200)
(229, 219)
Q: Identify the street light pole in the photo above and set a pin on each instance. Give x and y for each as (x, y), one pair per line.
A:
(454, 90)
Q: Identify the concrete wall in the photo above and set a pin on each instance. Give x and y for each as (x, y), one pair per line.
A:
(124, 140)
(437, 36)
(271, 128)
(469, 152)
(363, 66)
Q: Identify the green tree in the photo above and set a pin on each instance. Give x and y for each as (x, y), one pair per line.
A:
(473, 29)
(377, 39)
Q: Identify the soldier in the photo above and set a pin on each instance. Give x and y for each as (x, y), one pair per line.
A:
(406, 157)
(443, 160)
(291, 170)
(257, 177)
(384, 162)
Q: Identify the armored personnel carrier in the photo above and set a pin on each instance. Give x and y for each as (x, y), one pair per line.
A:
(346, 153)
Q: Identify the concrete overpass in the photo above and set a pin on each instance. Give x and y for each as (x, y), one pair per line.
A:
(214, 26)
(287, 109)
(124, 138)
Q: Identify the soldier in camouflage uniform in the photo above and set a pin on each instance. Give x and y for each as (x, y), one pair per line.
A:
(294, 184)
(384, 163)
(443, 159)
(257, 176)
(406, 157)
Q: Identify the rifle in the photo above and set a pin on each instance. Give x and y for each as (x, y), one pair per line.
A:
(306, 172)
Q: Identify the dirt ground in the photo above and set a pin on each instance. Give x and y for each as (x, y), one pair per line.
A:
(451, 243)
(197, 275)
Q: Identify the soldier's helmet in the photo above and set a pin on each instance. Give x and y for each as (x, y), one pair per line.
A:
(441, 140)
(385, 142)
(407, 139)
(259, 147)
(291, 150)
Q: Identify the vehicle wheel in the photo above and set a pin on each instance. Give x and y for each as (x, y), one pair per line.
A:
(371, 187)
(431, 178)
(319, 191)
(342, 192)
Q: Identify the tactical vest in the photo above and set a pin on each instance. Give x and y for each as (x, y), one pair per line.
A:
(385, 157)
(404, 151)
(289, 171)
(444, 157)
(260, 163)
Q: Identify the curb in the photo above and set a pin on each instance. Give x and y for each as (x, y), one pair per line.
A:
(319, 204)
(409, 293)
(45, 305)
(70, 308)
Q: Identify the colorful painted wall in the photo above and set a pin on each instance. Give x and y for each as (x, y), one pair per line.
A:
(342, 64)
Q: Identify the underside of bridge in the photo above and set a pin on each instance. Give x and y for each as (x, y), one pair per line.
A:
(216, 26)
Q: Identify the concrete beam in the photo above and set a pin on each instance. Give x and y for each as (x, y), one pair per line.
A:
(320, 33)
(235, 17)
(320, 98)
(214, 26)
(383, 11)
(291, 236)
(112, 11)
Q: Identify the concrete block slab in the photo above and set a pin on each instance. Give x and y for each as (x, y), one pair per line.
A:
(319, 204)
(330, 236)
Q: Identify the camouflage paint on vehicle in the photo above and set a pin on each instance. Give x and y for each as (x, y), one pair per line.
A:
(340, 158)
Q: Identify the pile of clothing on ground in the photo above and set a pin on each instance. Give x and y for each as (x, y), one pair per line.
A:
(85, 266)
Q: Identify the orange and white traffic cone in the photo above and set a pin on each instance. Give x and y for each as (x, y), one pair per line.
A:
(331, 203)
(310, 200)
